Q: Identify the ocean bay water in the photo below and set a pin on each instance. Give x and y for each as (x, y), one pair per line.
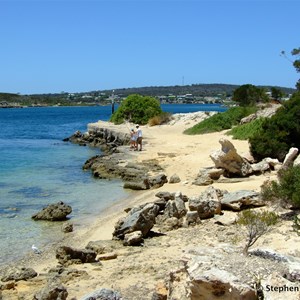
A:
(38, 168)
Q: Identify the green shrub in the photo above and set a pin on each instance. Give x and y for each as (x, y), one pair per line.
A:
(279, 133)
(246, 131)
(221, 121)
(286, 190)
(136, 109)
(257, 223)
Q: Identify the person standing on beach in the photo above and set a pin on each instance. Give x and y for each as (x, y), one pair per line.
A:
(133, 138)
(139, 138)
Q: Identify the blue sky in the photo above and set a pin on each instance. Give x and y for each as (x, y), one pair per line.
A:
(78, 46)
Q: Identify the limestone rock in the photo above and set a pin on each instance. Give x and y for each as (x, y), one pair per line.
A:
(192, 218)
(139, 218)
(133, 239)
(67, 255)
(67, 227)
(137, 185)
(108, 256)
(207, 204)
(289, 158)
(174, 179)
(226, 219)
(53, 212)
(52, 291)
(241, 199)
(228, 159)
(214, 284)
(165, 195)
(158, 180)
(207, 176)
(103, 246)
(103, 294)
(18, 274)
(161, 292)
(297, 161)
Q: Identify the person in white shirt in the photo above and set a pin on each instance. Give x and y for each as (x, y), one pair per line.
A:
(139, 138)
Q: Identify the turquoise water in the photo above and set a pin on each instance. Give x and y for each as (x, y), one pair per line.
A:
(37, 168)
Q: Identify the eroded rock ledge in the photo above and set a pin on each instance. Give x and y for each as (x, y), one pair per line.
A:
(115, 162)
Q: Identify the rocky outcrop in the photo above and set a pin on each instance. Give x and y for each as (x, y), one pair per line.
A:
(207, 204)
(53, 212)
(67, 256)
(133, 239)
(18, 274)
(101, 247)
(267, 112)
(103, 294)
(52, 291)
(112, 165)
(140, 218)
(241, 200)
(214, 284)
(289, 158)
(228, 159)
(135, 176)
(67, 227)
(104, 138)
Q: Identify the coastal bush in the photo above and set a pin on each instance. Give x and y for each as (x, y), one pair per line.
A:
(257, 223)
(249, 94)
(136, 109)
(286, 189)
(279, 133)
(163, 118)
(221, 121)
(246, 131)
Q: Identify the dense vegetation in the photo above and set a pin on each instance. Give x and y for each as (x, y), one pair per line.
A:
(279, 133)
(249, 94)
(137, 109)
(286, 190)
(221, 121)
(246, 131)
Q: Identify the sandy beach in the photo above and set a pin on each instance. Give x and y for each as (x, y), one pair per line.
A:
(139, 271)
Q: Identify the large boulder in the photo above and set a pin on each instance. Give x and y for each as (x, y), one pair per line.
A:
(217, 284)
(207, 204)
(52, 291)
(140, 218)
(289, 158)
(53, 212)
(18, 274)
(241, 199)
(67, 256)
(228, 159)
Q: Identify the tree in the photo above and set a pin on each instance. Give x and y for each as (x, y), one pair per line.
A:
(137, 109)
(277, 93)
(296, 63)
(257, 224)
(249, 94)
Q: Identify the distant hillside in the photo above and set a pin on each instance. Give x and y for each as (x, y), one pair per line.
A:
(103, 96)
(213, 89)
